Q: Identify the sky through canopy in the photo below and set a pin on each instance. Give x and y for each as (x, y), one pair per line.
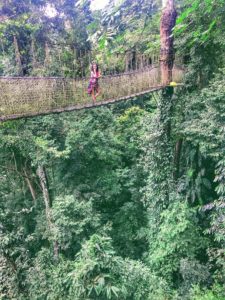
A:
(99, 4)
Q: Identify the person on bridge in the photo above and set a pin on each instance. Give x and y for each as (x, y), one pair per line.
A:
(93, 88)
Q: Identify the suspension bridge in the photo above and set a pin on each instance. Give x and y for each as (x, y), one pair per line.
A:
(32, 96)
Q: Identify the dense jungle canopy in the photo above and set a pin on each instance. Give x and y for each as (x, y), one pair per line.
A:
(117, 202)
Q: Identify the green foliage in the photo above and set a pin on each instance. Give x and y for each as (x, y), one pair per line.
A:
(96, 271)
(217, 293)
(103, 275)
(45, 279)
(46, 45)
(73, 219)
(178, 237)
(200, 39)
(8, 280)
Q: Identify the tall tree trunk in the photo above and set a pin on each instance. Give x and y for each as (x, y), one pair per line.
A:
(29, 184)
(177, 155)
(47, 55)
(18, 57)
(126, 62)
(33, 54)
(168, 21)
(43, 181)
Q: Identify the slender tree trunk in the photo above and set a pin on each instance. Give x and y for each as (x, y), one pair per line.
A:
(30, 185)
(47, 55)
(168, 21)
(18, 57)
(133, 60)
(43, 181)
(33, 54)
(127, 62)
(177, 155)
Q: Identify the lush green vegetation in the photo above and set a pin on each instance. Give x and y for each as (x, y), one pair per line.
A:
(124, 202)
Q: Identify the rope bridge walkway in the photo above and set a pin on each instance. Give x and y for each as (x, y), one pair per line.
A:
(32, 96)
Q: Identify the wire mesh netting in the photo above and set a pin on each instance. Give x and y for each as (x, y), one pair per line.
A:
(27, 96)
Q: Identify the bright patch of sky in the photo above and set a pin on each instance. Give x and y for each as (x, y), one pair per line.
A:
(98, 4)
(95, 5)
(50, 11)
